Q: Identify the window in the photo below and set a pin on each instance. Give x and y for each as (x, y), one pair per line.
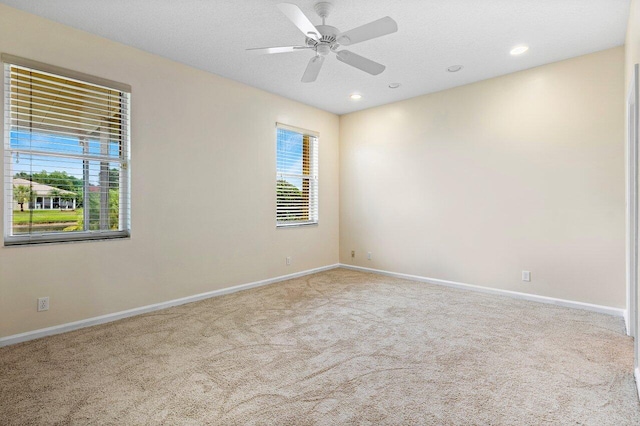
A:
(66, 153)
(296, 177)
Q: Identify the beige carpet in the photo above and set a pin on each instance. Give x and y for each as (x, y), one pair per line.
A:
(339, 347)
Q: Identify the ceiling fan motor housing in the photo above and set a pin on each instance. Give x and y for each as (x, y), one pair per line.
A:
(327, 41)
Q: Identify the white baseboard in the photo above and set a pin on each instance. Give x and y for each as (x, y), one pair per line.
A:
(514, 294)
(63, 328)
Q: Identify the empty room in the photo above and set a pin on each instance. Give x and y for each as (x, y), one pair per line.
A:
(258, 212)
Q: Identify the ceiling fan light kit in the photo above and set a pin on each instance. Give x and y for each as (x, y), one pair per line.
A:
(325, 39)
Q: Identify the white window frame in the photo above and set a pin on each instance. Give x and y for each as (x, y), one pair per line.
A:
(312, 177)
(124, 159)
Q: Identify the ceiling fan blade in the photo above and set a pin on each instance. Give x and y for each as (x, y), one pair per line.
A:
(282, 49)
(299, 19)
(313, 69)
(382, 26)
(360, 62)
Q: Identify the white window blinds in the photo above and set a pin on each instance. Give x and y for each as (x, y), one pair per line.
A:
(296, 177)
(66, 157)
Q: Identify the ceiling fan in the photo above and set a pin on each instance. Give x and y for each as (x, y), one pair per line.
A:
(324, 39)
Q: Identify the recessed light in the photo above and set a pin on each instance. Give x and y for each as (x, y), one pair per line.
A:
(455, 68)
(394, 85)
(519, 50)
(355, 96)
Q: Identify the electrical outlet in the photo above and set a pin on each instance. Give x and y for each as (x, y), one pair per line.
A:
(43, 304)
(353, 254)
(526, 275)
(287, 260)
(369, 255)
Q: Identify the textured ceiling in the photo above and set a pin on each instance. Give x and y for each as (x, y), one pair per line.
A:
(433, 34)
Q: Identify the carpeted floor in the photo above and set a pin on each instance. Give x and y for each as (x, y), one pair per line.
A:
(339, 347)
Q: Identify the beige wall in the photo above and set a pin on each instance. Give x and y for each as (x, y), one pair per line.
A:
(195, 136)
(480, 182)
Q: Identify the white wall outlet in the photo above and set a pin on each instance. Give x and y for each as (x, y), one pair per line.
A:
(287, 260)
(526, 275)
(43, 304)
(353, 254)
(369, 255)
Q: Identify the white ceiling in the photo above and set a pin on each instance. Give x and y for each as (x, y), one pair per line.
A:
(433, 34)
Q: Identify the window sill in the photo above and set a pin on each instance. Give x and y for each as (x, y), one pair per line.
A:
(295, 225)
(50, 239)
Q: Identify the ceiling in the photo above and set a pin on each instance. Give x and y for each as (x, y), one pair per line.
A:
(212, 35)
